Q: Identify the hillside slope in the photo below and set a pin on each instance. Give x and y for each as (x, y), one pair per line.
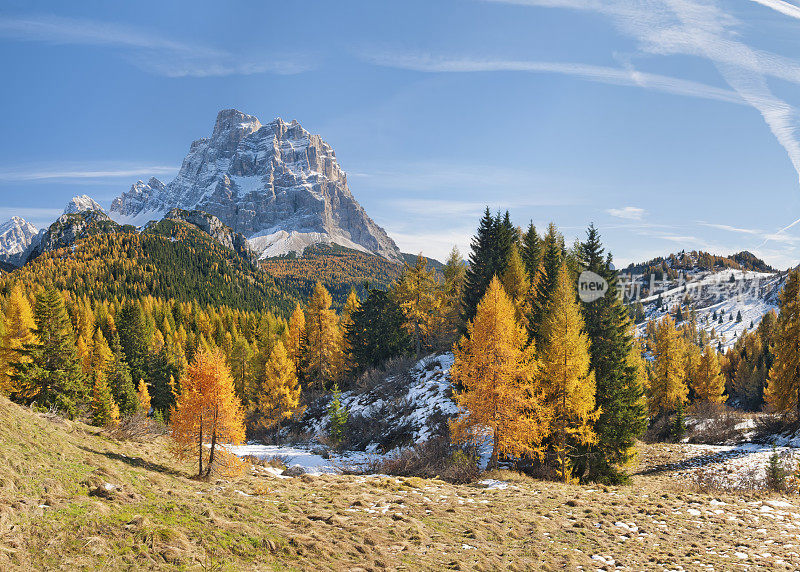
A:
(169, 259)
(73, 498)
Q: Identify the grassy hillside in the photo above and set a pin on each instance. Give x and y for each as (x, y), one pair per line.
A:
(73, 498)
(170, 260)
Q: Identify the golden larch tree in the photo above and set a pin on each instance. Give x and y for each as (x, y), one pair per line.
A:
(668, 390)
(517, 285)
(324, 363)
(280, 391)
(495, 371)
(567, 380)
(144, 396)
(207, 413)
(708, 382)
(19, 326)
(295, 334)
(783, 385)
(418, 293)
(105, 411)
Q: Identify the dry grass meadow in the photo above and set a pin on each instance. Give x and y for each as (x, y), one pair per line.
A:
(71, 498)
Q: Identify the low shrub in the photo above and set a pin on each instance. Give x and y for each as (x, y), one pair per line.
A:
(137, 427)
(436, 458)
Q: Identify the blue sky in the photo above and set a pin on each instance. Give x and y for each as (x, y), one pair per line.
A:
(670, 124)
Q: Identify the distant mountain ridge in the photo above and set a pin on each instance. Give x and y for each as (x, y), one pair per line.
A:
(683, 261)
(276, 183)
(16, 236)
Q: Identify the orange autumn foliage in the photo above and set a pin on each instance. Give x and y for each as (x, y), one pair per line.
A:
(207, 412)
(497, 372)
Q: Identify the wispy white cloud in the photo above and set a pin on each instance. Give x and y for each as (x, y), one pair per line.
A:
(148, 51)
(730, 228)
(702, 29)
(629, 213)
(780, 6)
(609, 75)
(68, 172)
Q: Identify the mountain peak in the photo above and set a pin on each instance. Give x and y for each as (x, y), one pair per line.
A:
(16, 236)
(233, 121)
(82, 203)
(276, 184)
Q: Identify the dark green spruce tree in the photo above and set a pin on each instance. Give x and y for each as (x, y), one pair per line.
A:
(619, 396)
(161, 371)
(531, 251)
(52, 376)
(120, 380)
(545, 281)
(491, 247)
(376, 331)
(134, 337)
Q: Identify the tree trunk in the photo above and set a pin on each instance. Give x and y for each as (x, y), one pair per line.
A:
(200, 457)
(211, 456)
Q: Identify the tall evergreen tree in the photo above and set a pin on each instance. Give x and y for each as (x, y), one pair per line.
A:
(120, 380)
(377, 333)
(52, 375)
(619, 393)
(546, 278)
(491, 248)
(531, 251)
(133, 336)
(481, 266)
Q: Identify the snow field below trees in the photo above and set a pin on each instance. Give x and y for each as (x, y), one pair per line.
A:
(426, 397)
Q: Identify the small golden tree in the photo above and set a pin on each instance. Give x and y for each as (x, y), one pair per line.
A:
(419, 294)
(280, 392)
(207, 412)
(495, 371)
(708, 382)
(144, 396)
(324, 363)
(294, 335)
(668, 390)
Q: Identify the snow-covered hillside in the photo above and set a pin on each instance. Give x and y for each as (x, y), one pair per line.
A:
(404, 410)
(723, 294)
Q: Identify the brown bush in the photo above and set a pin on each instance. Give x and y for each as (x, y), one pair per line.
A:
(137, 427)
(437, 458)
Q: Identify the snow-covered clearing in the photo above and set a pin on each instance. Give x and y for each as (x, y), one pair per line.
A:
(741, 466)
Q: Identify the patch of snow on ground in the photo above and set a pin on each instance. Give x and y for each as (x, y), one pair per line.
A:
(300, 456)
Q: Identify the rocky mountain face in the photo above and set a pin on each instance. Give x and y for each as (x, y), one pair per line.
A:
(212, 226)
(16, 236)
(82, 203)
(276, 183)
(82, 218)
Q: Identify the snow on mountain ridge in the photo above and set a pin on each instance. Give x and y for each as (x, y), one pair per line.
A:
(82, 203)
(16, 236)
(262, 180)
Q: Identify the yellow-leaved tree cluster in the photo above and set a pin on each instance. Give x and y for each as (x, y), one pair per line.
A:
(534, 403)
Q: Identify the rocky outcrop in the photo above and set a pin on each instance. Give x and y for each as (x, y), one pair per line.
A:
(70, 227)
(212, 226)
(16, 236)
(277, 184)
